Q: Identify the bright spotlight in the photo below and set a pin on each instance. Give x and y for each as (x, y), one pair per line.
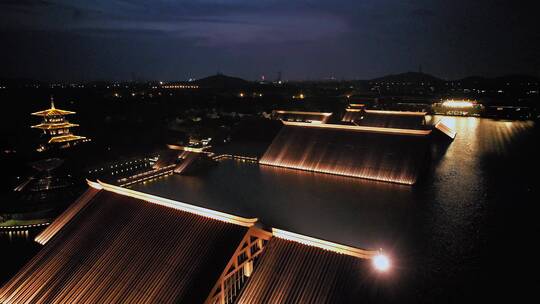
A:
(381, 262)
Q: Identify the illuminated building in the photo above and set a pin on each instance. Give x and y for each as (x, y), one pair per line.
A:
(458, 107)
(56, 128)
(396, 119)
(384, 154)
(299, 116)
(115, 245)
(353, 112)
(392, 119)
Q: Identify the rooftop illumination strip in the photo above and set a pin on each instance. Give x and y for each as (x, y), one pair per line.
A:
(361, 175)
(334, 247)
(189, 149)
(52, 112)
(306, 113)
(49, 126)
(397, 112)
(64, 138)
(221, 216)
(361, 128)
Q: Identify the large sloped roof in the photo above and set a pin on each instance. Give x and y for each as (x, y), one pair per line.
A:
(392, 119)
(292, 272)
(119, 246)
(385, 154)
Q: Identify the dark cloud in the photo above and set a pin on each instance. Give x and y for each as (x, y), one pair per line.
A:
(305, 39)
(422, 12)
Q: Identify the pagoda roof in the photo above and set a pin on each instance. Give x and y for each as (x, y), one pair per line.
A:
(65, 138)
(53, 126)
(52, 111)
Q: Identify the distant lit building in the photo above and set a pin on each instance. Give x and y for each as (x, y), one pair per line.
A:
(461, 107)
(57, 129)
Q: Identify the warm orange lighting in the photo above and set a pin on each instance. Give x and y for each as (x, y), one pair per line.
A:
(65, 138)
(362, 128)
(334, 247)
(451, 103)
(303, 113)
(217, 215)
(397, 112)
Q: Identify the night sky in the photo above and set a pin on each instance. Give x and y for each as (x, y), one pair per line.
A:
(353, 39)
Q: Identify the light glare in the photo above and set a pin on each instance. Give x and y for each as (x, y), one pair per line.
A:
(381, 262)
(458, 104)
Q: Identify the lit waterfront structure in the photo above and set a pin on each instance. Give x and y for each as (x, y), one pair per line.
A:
(300, 116)
(57, 128)
(396, 119)
(458, 107)
(384, 154)
(115, 245)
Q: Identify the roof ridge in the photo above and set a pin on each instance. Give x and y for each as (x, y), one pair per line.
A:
(205, 212)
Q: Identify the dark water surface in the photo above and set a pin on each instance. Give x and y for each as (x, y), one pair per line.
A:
(459, 233)
(466, 230)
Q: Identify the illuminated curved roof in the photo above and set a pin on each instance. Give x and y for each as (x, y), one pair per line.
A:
(52, 111)
(65, 138)
(53, 126)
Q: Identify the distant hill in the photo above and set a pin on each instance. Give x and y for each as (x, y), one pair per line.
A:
(517, 78)
(414, 77)
(221, 81)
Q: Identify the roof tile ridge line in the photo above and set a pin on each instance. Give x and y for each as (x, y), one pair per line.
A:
(380, 130)
(323, 244)
(411, 113)
(201, 211)
(303, 112)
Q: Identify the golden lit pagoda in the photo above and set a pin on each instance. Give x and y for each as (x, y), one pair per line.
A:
(56, 126)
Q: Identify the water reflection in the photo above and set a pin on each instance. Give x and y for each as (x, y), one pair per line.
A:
(11, 236)
(16, 247)
(353, 211)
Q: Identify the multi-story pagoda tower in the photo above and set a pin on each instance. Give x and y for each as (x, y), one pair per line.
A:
(57, 128)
